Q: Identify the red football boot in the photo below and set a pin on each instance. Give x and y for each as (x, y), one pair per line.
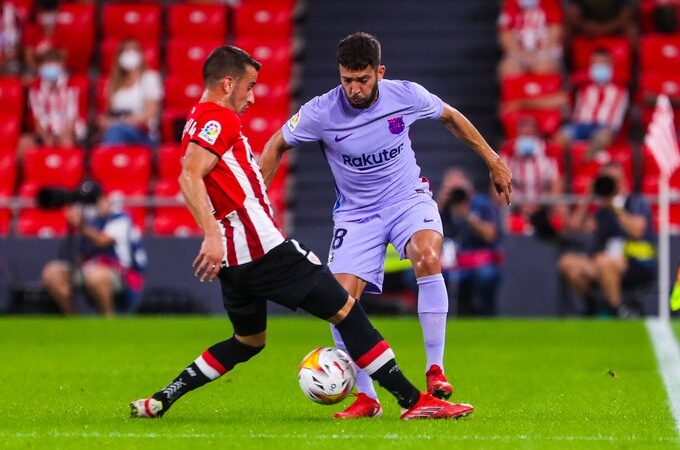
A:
(437, 384)
(429, 407)
(363, 406)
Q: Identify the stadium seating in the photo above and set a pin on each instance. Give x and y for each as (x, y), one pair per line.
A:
(141, 21)
(11, 96)
(172, 220)
(7, 181)
(75, 33)
(50, 167)
(275, 94)
(169, 162)
(23, 8)
(527, 87)
(274, 54)
(126, 170)
(584, 172)
(264, 19)
(660, 53)
(205, 22)
(41, 223)
(259, 124)
(181, 93)
(186, 56)
(10, 126)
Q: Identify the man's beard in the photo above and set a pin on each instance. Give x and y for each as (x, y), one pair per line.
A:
(369, 101)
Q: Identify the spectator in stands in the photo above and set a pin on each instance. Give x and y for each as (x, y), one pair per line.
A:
(599, 110)
(472, 222)
(597, 18)
(53, 103)
(108, 264)
(535, 174)
(39, 37)
(530, 34)
(133, 99)
(10, 39)
(623, 251)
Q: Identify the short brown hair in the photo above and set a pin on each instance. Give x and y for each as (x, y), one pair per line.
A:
(227, 61)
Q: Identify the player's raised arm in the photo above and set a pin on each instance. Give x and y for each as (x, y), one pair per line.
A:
(463, 129)
(196, 165)
(272, 153)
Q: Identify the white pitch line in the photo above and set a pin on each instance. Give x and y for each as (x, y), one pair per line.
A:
(349, 436)
(668, 356)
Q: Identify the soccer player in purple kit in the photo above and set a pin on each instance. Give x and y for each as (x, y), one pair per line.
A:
(362, 126)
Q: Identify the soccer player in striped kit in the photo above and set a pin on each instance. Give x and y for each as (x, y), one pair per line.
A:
(362, 126)
(254, 261)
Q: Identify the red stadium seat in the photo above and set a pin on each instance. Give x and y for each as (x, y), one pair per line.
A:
(186, 57)
(5, 220)
(169, 162)
(10, 126)
(41, 223)
(529, 86)
(264, 19)
(260, 124)
(660, 54)
(620, 48)
(50, 167)
(206, 22)
(125, 170)
(182, 92)
(110, 46)
(548, 121)
(275, 94)
(584, 172)
(274, 54)
(23, 8)
(172, 220)
(75, 33)
(8, 169)
(11, 96)
(141, 21)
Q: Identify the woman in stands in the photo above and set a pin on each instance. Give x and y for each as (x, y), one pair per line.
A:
(133, 98)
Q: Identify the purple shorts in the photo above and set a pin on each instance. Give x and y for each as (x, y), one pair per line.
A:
(358, 246)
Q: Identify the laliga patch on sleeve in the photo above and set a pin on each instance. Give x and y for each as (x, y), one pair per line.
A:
(294, 121)
(210, 131)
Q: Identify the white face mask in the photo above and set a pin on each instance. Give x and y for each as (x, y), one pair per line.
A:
(130, 59)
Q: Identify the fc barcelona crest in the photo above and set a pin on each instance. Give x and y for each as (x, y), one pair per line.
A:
(396, 124)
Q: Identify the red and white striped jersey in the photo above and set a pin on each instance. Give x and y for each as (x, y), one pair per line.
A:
(530, 27)
(236, 190)
(601, 104)
(532, 176)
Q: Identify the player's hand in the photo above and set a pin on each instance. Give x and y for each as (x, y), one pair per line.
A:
(501, 178)
(209, 260)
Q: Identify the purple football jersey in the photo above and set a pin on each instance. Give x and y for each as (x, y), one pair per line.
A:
(368, 150)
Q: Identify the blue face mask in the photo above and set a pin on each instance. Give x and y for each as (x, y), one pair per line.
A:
(50, 72)
(601, 73)
(526, 146)
(528, 4)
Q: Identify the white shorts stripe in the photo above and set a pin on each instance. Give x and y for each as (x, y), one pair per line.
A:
(380, 361)
(205, 368)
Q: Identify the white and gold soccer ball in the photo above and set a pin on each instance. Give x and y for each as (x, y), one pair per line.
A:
(327, 375)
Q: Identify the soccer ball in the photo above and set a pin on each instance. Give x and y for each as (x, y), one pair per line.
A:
(327, 375)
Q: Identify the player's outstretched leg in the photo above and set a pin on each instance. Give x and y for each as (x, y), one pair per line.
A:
(372, 353)
(210, 365)
(366, 403)
(433, 306)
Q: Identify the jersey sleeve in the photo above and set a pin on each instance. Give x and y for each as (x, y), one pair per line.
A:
(118, 228)
(304, 126)
(427, 105)
(217, 131)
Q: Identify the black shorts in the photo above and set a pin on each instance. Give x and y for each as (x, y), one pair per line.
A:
(288, 275)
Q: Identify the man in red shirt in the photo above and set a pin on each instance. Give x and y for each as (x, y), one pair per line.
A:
(223, 188)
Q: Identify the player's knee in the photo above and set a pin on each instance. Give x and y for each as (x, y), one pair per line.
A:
(52, 272)
(256, 341)
(343, 312)
(427, 261)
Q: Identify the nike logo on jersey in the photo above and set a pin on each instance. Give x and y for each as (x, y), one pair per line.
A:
(428, 220)
(338, 139)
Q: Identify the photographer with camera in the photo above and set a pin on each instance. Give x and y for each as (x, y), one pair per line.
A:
(471, 224)
(623, 252)
(105, 258)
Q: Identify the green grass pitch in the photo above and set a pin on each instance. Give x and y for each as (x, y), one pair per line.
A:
(66, 383)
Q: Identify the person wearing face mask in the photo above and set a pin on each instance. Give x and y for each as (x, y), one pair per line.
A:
(622, 254)
(599, 110)
(537, 174)
(54, 107)
(530, 34)
(133, 97)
